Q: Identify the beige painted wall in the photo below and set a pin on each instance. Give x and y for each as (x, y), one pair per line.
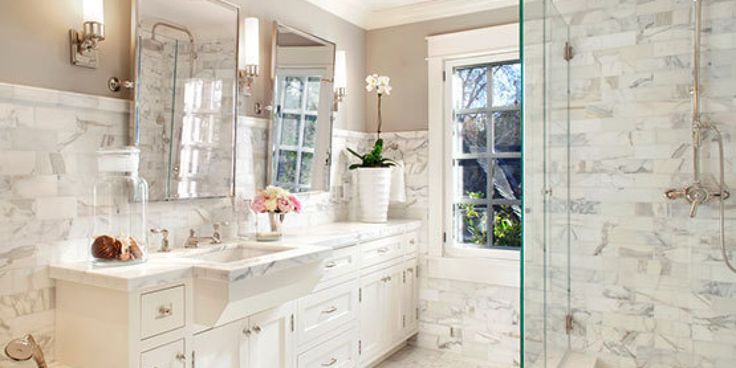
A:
(400, 53)
(35, 45)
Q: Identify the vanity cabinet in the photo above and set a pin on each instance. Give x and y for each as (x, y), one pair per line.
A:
(363, 307)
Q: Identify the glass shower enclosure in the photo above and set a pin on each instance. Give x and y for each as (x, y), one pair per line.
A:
(546, 272)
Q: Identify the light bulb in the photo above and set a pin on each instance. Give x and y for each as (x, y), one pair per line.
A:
(93, 11)
(252, 44)
(340, 70)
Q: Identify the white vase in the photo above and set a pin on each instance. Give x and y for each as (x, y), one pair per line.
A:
(374, 187)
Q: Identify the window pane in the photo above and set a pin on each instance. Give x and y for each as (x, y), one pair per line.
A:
(471, 224)
(471, 85)
(310, 129)
(472, 178)
(507, 179)
(290, 130)
(305, 173)
(313, 94)
(507, 226)
(506, 85)
(472, 133)
(293, 93)
(507, 131)
(286, 172)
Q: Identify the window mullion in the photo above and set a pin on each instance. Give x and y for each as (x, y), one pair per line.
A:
(490, 138)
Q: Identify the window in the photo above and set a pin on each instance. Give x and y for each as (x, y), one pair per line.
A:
(297, 112)
(485, 189)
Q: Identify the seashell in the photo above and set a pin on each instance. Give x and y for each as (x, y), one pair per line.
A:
(106, 247)
(135, 249)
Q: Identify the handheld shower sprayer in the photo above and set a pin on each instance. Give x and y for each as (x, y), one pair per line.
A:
(25, 348)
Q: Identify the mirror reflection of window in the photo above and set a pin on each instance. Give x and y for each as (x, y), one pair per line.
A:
(298, 112)
(301, 129)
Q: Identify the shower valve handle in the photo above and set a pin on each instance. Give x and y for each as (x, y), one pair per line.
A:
(696, 194)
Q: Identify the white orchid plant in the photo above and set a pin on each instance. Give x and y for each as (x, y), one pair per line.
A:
(381, 84)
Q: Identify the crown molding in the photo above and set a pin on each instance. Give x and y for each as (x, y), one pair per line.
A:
(432, 9)
(356, 12)
(353, 11)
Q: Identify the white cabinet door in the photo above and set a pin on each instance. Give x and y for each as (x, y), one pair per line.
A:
(272, 338)
(393, 295)
(168, 356)
(372, 314)
(223, 347)
(410, 297)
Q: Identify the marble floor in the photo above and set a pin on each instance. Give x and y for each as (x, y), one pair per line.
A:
(413, 357)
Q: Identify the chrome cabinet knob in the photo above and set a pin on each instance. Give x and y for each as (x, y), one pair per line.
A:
(257, 329)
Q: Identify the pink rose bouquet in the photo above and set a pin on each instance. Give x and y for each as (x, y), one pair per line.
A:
(276, 200)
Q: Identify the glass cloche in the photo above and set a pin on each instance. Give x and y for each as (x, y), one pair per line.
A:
(119, 212)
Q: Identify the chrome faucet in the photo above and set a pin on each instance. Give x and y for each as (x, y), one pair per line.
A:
(193, 240)
(24, 349)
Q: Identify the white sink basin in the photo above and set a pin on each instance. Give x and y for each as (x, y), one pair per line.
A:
(235, 280)
(238, 253)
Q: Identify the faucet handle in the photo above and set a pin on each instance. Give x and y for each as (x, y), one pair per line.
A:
(675, 193)
(164, 238)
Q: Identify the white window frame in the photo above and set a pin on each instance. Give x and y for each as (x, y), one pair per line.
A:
(486, 45)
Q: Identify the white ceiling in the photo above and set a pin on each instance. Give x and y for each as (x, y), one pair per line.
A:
(372, 14)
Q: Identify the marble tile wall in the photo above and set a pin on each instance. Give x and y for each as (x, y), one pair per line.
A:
(649, 287)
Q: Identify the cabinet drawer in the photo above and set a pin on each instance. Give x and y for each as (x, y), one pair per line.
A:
(322, 312)
(412, 243)
(162, 311)
(338, 352)
(168, 356)
(343, 261)
(379, 251)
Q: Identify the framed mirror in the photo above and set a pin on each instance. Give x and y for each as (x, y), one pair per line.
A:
(303, 71)
(186, 97)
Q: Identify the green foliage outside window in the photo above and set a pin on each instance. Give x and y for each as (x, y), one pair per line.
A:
(475, 221)
(507, 225)
(507, 228)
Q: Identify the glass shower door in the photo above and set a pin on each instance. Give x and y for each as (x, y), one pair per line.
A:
(546, 273)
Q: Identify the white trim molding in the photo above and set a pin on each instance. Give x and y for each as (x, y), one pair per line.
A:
(444, 51)
(363, 15)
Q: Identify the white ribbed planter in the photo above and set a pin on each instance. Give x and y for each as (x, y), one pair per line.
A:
(374, 187)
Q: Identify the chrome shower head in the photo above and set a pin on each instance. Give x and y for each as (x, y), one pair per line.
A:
(24, 349)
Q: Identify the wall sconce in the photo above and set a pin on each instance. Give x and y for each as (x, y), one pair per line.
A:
(341, 78)
(250, 55)
(84, 44)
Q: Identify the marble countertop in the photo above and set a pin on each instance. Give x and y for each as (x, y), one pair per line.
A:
(300, 246)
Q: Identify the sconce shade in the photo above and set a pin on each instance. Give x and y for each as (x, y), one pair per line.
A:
(341, 73)
(93, 11)
(251, 49)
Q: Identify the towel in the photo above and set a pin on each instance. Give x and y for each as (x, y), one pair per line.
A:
(398, 183)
